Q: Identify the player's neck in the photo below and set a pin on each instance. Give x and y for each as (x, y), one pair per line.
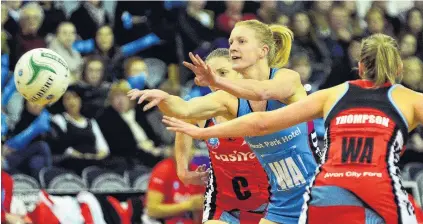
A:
(258, 71)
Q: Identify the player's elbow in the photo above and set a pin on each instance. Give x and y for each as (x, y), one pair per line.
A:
(262, 95)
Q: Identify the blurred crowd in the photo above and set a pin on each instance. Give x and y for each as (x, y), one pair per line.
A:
(143, 46)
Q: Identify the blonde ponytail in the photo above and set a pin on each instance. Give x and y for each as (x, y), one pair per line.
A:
(381, 59)
(283, 42)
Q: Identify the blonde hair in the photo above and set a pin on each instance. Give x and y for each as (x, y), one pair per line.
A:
(381, 59)
(277, 37)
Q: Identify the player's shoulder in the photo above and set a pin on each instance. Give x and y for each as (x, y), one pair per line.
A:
(409, 94)
(285, 73)
(166, 165)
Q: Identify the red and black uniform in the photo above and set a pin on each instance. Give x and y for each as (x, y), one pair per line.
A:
(238, 185)
(360, 178)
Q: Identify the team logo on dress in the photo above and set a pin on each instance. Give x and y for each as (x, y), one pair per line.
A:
(213, 142)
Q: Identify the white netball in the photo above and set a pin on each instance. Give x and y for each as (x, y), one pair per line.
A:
(41, 76)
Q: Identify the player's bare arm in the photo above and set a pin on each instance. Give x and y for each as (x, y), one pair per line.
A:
(199, 108)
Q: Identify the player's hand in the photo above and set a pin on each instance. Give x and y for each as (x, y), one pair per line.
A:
(177, 125)
(204, 74)
(154, 96)
(198, 177)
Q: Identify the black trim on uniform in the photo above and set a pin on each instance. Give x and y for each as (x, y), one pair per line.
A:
(389, 145)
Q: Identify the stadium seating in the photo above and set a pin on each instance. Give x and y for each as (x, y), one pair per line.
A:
(138, 178)
(104, 181)
(59, 180)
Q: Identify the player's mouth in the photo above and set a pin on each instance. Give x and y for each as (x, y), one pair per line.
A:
(235, 58)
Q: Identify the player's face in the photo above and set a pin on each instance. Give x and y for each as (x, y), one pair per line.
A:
(223, 68)
(72, 102)
(245, 49)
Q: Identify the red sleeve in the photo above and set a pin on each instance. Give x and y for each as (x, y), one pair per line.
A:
(6, 191)
(159, 177)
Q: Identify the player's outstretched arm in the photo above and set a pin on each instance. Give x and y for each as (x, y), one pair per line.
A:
(183, 152)
(258, 123)
(198, 108)
(284, 85)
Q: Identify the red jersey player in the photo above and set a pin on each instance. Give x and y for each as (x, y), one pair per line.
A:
(170, 199)
(237, 189)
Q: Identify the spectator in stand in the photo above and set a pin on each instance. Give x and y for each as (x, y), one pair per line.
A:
(233, 14)
(106, 49)
(128, 131)
(351, 8)
(62, 44)
(136, 72)
(376, 23)
(301, 64)
(340, 32)
(80, 137)
(196, 26)
(408, 46)
(344, 69)
(307, 42)
(268, 12)
(392, 23)
(413, 73)
(30, 20)
(89, 17)
(289, 8)
(27, 150)
(170, 199)
(318, 15)
(415, 27)
(12, 26)
(53, 16)
(93, 89)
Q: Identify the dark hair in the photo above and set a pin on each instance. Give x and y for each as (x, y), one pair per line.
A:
(88, 61)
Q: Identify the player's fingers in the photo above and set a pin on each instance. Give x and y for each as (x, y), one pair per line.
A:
(193, 59)
(170, 128)
(200, 61)
(143, 97)
(170, 123)
(132, 91)
(189, 65)
(153, 103)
